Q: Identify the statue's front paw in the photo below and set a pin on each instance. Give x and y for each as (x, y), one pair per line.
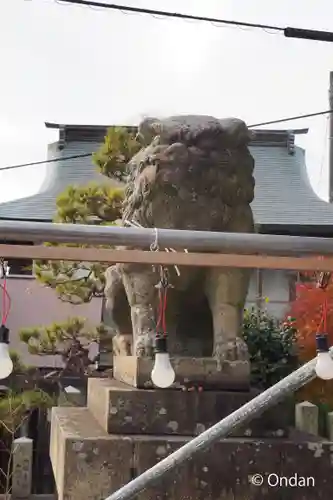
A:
(144, 346)
(232, 350)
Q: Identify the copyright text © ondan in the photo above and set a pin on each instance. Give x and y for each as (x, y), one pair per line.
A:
(275, 481)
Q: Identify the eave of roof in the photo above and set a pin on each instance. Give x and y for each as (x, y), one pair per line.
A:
(58, 126)
(284, 198)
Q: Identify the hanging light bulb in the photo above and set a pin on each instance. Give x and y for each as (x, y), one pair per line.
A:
(6, 364)
(163, 374)
(324, 365)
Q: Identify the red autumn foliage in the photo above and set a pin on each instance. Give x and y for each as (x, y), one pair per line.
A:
(312, 312)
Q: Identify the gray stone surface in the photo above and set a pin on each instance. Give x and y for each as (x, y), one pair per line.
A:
(22, 456)
(307, 417)
(87, 462)
(192, 173)
(204, 372)
(234, 468)
(122, 409)
(90, 464)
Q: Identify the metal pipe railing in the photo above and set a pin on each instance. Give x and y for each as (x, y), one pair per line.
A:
(240, 243)
(238, 418)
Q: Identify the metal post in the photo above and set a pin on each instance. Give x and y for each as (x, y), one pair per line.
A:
(252, 409)
(330, 140)
(240, 243)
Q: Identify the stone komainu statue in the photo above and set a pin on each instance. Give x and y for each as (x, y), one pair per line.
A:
(195, 173)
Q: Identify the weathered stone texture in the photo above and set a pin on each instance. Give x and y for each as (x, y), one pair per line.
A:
(309, 460)
(192, 173)
(90, 464)
(122, 409)
(87, 462)
(307, 417)
(194, 481)
(22, 456)
(228, 470)
(205, 372)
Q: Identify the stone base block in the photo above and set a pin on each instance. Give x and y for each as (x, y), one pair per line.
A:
(87, 462)
(90, 465)
(203, 372)
(122, 409)
(236, 469)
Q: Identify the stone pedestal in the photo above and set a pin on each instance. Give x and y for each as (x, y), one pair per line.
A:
(89, 463)
(124, 430)
(234, 376)
(122, 409)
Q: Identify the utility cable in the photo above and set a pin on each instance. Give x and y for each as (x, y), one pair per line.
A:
(51, 160)
(323, 157)
(291, 118)
(288, 32)
(174, 15)
(86, 155)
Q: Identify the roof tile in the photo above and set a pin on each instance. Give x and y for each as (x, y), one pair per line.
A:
(283, 194)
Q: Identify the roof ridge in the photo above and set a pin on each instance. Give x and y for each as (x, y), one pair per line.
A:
(59, 126)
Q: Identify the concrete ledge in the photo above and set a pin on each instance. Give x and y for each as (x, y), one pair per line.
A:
(87, 463)
(122, 409)
(197, 371)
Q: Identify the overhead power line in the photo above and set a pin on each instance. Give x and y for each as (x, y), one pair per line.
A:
(288, 32)
(51, 160)
(85, 155)
(292, 118)
(174, 15)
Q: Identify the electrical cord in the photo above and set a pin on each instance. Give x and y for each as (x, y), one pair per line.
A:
(6, 303)
(6, 299)
(86, 155)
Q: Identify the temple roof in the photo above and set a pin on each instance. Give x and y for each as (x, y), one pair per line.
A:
(283, 194)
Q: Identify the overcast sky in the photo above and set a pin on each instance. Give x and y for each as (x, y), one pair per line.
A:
(72, 64)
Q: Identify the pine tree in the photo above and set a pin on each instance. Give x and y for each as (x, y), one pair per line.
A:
(79, 282)
(17, 402)
(70, 340)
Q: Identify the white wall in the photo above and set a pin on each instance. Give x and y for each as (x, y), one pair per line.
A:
(35, 305)
(275, 287)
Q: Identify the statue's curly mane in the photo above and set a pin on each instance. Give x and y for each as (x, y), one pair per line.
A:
(193, 173)
(187, 166)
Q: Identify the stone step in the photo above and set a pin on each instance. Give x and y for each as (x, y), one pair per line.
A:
(89, 464)
(121, 408)
(85, 459)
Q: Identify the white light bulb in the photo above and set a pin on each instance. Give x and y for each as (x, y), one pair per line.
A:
(324, 366)
(162, 375)
(6, 364)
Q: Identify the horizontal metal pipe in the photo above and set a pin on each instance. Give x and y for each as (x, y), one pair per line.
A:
(238, 418)
(240, 243)
(110, 256)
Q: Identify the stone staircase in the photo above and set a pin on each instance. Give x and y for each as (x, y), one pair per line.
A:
(123, 431)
